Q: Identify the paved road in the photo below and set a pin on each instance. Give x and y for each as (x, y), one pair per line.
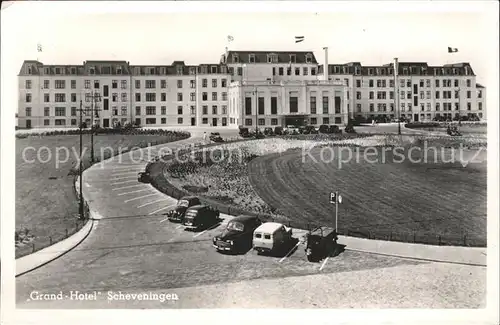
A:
(133, 249)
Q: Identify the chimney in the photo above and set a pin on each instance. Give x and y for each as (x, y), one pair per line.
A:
(325, 66)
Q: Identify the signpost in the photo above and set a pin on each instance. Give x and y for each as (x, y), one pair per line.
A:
(335, 198)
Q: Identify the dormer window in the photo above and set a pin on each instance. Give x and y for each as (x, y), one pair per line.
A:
(73, 70)
(293, 58)
(344, 70)
(58, 70)
(466, 71)
(272, 58)
(106, 70)
(405, 71)
(357, 71)
(118, 70)
(336, 69)
(29, 69)
(46, 70)
(383, 72)
(223, 69)
(454, 71)
(442, 71)
(92, 70)
(413, 70)
(424, 70)
(192, 70)
(308, 58)
(214, 69)
(370, 71)
(179, 70)
(152, 71)
(236, 59)
(251, 58)
(391, 71)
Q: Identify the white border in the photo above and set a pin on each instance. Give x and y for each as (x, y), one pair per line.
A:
(489, 315)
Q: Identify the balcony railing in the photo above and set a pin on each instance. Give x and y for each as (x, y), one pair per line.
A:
(288, 83)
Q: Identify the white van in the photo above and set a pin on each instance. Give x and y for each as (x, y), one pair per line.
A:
(271, 236)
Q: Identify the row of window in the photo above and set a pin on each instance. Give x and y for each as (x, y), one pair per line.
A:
(274, 121)
(383, 107)
(281, 71)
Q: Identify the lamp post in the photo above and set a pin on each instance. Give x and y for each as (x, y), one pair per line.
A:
(80, 168)
(396, 94)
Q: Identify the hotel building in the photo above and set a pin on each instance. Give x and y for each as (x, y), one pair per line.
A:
(246, 88)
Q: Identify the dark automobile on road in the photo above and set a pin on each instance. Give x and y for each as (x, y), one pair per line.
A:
(320, 243)
(144, 177)
(215, 137)
(310, 129)
(177, 214)
(200, 217)
(237, 236)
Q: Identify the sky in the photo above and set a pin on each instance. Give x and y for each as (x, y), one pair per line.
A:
(196, 32)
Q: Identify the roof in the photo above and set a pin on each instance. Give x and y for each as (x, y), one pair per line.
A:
(261, 56)
(269, 227)
(243, 218)
(197, 207)
(478, 85)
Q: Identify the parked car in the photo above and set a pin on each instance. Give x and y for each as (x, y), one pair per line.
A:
(259, 135)
(349, 129)
(144, 177)
(292, 130)
(309, 129)
(334, 129)
(278, 130)
(215, 137)
(272, 237)
(323, 128)
(244, 132)
(268, 131)
(237, 236)
(177, 214)
(200, 217)
(320, 243)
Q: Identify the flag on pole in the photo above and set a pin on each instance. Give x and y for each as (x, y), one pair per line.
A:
(230, 38)
(299, 39)
(39, 47)
(452, 50)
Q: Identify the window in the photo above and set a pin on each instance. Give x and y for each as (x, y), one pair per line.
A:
(402, 83)
(179, 120)
(403, 107)
(46, 84)
(437, 82)
(313, 104)
(114, 109)
(151, 120)
(308, 59)
(204, 83)
(437, 94)
(371, 95)
(480, 106)
(214, 109)
(192, 84)
(114, 84)
(137, 84)
(124, 110)
(73, 111)
(204, 120)
(422, 95)
(280, 71)
(163, 97)
(274, 105)
(370, 83)
(294, 107)
(214, 83)
(214, 96)
(179, 83)
(60, 111)
(468, 106)
(391, 83)
(326, 120)
(204, 96)
(60, 84)
(60, 98)
(46, 122)
(428, 94)
(124, 97)
(193, 110)
(150, 84)
(408, 95)
(150, 97)
(325, 104)
(224, 109)
(422, 108)
(46, 98)
(437, 106)
(262, 121)
(305, 71)
(46, 111)
(137, 97)
(114, 97)
(163, 120)
(60, 122)
(274, 121)
(371, 107)
(297, 71)
(313, 71)
(28, 84)
(261, 106)
(179, 97)
(248, 121)
(204, 109)
(96, 84)
(123, 84)
(289, 71)
(469, 82)
(27, 111)
(192, 97)
(240, 71)
(137, 110)
(409, 107)
(223, 83)
(150, 110)
(179, 110)
(428, 106)
(248, 106)
(224, 96)
(468, 94)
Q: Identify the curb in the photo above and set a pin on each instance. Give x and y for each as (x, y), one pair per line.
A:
(46, 255)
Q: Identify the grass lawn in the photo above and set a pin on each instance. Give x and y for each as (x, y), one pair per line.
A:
(401, 201)
(46, 204)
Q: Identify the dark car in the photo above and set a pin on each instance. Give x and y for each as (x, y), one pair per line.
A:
(334, 129)
(320, 243)
(215, 137)
(324, 128)
(144, 177)
(244, 132)
(200, 217)
(310, 129)
(177, 214)
(237, 236)
(268, 131)
(278, 130)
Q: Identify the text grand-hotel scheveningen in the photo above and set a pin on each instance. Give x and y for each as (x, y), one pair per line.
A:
(246, 88)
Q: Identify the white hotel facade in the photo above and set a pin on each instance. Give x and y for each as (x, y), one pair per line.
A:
(246, 88)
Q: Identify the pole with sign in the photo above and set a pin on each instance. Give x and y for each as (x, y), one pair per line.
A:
(336, 198)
